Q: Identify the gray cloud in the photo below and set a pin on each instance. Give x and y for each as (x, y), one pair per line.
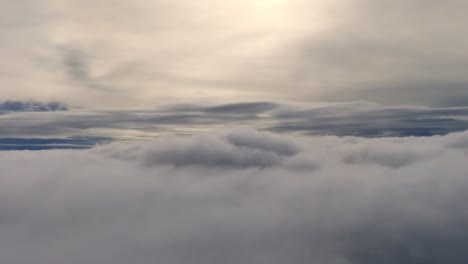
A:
(80, 69)
(392, 153)
(106, 205)
(341, 119)
(243, 108)
(370, 120)
(243, 148)
(50, 143)
(75, 62)
(31, 106)
(389, 52)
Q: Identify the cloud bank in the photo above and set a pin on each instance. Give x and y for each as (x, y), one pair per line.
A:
(238, 196)
(361, 119)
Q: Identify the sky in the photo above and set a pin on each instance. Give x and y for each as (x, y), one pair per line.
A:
(134, 54)
(222, 131)
(128, 70)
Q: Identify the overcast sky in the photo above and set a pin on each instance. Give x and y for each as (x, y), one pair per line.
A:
(233, 131)
(122, 53)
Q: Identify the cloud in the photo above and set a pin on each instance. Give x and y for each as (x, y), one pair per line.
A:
(31, 106)
(246, 108)
(153, 202)
(244, 148)
(391, 155)
(50, 143)
(341, 119)
(370, 120)
(391, 52)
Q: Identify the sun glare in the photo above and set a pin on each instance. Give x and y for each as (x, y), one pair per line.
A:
(267, 3)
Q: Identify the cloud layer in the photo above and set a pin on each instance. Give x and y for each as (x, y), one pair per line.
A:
(388, 51)
(238, 196)
(340, 119)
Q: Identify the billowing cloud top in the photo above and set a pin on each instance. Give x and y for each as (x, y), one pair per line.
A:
(238, 196)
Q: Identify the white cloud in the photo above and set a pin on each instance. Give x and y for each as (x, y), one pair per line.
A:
(238, 196)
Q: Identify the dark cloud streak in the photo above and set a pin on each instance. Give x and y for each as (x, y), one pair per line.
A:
(31, 106)
(341, 119)
(51, 143)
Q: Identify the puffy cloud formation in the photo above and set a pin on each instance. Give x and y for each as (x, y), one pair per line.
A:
(241, 149)
(238, 196)
(30, 106)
